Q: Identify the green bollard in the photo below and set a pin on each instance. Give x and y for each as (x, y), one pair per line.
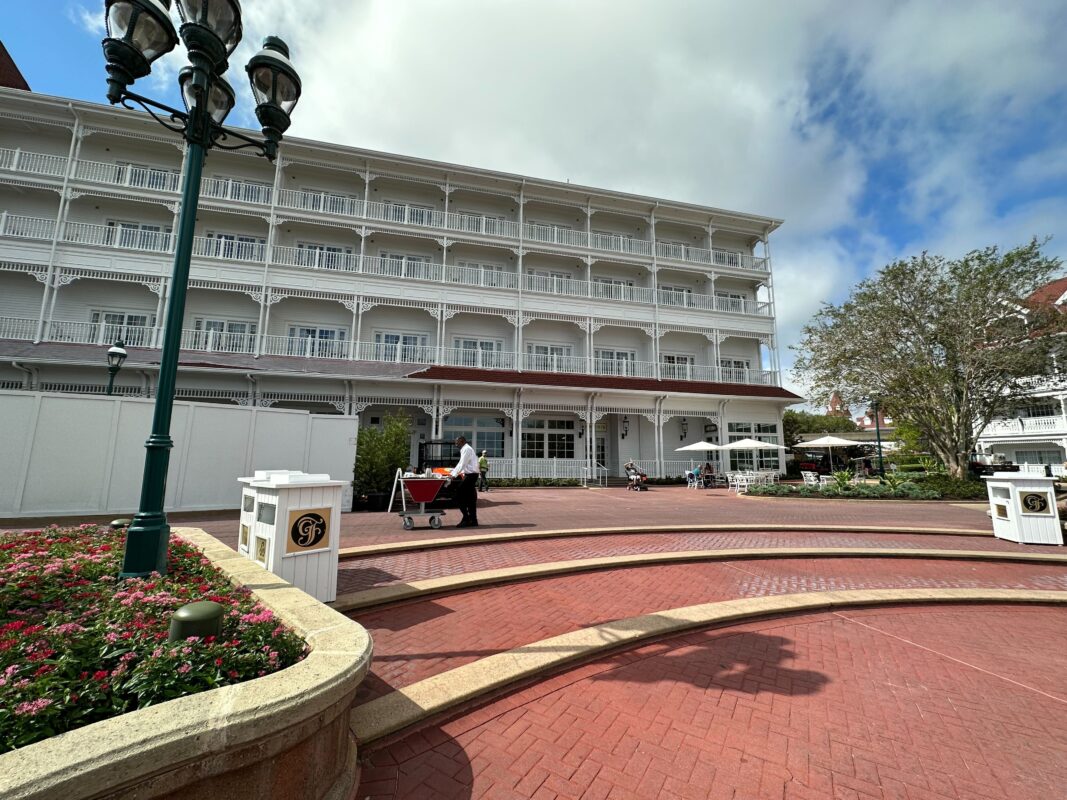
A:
(203, 618)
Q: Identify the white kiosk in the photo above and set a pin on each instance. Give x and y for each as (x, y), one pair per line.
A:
(1023, 508)
(291, 525)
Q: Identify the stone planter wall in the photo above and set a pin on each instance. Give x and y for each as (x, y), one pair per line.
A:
(282, 736)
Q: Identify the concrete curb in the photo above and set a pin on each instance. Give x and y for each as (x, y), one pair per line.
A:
(488, 538)
(393, 593)
(426, 698)
(161, 749)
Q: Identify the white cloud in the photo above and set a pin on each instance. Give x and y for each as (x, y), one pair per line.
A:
(91, 21)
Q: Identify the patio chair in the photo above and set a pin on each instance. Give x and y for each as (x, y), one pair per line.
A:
(692, 481)
(810, 478)
(739, 482)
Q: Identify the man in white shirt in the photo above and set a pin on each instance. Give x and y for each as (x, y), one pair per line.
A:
(467, 471)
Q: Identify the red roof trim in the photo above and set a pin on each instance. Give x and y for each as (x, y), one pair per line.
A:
(601, 382)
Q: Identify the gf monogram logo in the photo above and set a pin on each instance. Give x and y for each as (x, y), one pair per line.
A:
(308, 530)
(1035, 503)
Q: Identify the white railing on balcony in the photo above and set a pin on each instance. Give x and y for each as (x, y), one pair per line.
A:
(704, 302)
(395, 353)
(755, 377)
(323, 202)
(551, 285)
(229, 249)
(620, 244)
(480, 359)
(241, 191)
(687, 372)
(123, 238)
(218, 341)
(473, 276)
(481, 225)
(401, 268)
(26, 227)
(18, 160)
(18, 328)
(1022, 425)
(538, 362)
(614, 291)
(551, 234)
(405, 214)
(305, 347)
(624, 369)
(714, 258)
(100, 333)
(162, 180)
(315, 258)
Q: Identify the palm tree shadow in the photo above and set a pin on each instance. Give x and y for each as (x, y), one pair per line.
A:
(745, 661)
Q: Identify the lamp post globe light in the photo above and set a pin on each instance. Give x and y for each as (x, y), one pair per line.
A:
(138, 33)
(116, 354)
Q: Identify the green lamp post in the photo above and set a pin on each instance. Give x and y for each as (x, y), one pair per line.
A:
(116, 354)
(139, 32)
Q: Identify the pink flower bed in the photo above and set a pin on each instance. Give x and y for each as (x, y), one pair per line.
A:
(77, 645)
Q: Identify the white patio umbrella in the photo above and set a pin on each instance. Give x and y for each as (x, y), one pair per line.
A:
(697, 446)
(829, 442)
(751, 444)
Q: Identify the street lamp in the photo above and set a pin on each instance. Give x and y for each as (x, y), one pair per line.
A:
(116, 354)
(878, 435)
(139, 32)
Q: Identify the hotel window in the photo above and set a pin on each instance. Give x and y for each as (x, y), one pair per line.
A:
(138, 235)
(409, 213)
(405, 265)
(227, 335)
(548, 357)
(476, 352)
(674, 295)
(677, 366)
(548, 438)
(753, 459)
(312, 254)
(144, 176)
(548, 281)
(328, 202)
(614, 362)
(734, 370)
(134, 328)
(400, 346)
(240, 247)
(613, 288)
(480, 274)
(730, 301)
(483, 433)
(314, 340)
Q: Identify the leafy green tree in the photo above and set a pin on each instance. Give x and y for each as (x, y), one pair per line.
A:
(380, 452)
(951, 342)
(795, 423)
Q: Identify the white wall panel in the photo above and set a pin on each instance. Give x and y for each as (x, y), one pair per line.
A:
(67, 454)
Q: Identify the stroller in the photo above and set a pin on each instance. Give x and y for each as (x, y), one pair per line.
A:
(636, 478)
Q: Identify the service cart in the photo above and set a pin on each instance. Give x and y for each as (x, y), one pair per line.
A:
(420, 489)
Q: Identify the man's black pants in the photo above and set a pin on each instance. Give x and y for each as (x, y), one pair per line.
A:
(468, 498)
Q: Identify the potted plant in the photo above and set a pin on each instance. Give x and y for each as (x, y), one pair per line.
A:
(379, 453)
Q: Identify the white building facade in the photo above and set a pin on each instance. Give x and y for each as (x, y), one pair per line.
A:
(563, 329)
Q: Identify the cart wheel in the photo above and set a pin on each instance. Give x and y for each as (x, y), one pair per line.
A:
(409, 523)
(435, 522)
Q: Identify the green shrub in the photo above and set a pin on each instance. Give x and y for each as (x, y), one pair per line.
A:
(952, 488)
(380, 453)
(511, 483)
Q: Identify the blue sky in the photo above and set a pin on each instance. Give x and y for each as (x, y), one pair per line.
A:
(875, 130)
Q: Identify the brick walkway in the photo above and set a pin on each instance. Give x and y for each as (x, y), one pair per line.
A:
(910, 704)
(415, 640)
(505, 510)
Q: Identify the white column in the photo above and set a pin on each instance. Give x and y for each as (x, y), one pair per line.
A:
(159, 311)
(353, 341)
(589, 346)
(362, 247)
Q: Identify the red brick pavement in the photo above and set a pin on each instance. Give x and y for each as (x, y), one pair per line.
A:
(504, 510)
(416, 640)
(364, 573)
(895, 704)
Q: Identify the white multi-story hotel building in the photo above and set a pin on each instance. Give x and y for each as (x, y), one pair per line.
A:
(1035, 431)
(556, 325)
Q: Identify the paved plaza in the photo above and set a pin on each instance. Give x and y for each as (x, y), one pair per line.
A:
(915, 697)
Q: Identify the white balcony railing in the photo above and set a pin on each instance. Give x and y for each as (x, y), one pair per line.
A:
(472, 276)
(479, 359)
(1026, 425)
(713, 258)
(624, 369)
(402, 268)
(315, 258)
(320, 202)
(162, 180)
(704, 302)
(228, 249)
(100, 333)
(17, 328)
(395, 353)
(240, 191)
(614, 291)
(620, 244)
(18, 160)
(538, 362)
(122, 238)
(26, 227)
(405, 215)
(551, 285)
(306, 347)
(218, 341)
(551, 234)
(481, 225)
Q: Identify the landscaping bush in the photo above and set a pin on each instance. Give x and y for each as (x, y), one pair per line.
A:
(953, 488)
(906, 491)
(380, 453)
(506, 483)
(78, 646)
